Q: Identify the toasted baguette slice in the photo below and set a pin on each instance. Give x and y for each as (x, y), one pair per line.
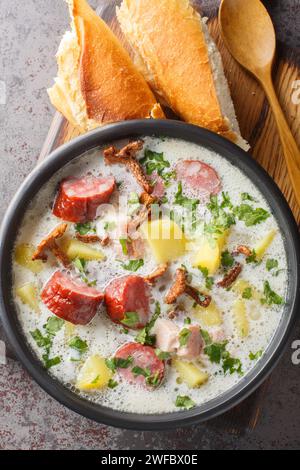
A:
(181, 62)
(97, 82)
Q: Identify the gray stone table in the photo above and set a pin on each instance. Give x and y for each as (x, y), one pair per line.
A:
(29, 418)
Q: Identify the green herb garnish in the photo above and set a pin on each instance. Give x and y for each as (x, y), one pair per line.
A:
(123, 242)
(227, 259)
(96, 380)
(112, 384)
(184, 336)
(144, 336)
(131, 319)
(85, 228)
(247, 293)
(271, 264)
(270, 296)
(155, 162)
(133, 265)
(252, 258)
(247, 197)
(136, 370)
(118, 363)
(251, 216)
(53, 325)
(209, 281)
(187, 321)
(51, 362)
(206, 337)
(78, 344)
(255, 356)
(184, 402)
(218, 354)
(162, 355)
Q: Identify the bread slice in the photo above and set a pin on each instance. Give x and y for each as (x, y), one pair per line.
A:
(181, 62)
(97, 82)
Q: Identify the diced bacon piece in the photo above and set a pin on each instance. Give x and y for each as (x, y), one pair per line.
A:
(166, 332)
(128, 294)
(158, 187)
(194, 345)
(73, 302)
(199, 177)
(144, 358)
(79, 198)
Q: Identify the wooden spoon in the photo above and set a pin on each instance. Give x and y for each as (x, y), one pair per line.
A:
(249, 34)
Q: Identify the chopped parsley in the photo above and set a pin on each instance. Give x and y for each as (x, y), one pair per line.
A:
(123, 243)
(218, 354)
(151, 379)
(271, 264)
(155, 162)
(96, 380)
(131, 319)
(118, 363)
(51, 327)
(184, 336)
(109, 226)
(255, 356)
(209, 281)
(226, 202)
(80, 265)
(144, 336)
(271, 298)
(251, 216)
(247, 197)
(184, 402)
(182, 200)
(133, 265)
(252, 258)
(84, 229)
(78, 344)
(227, 259)
(247, 293)
(162, 355)
(221, 219)
(136, 370)
(187, 321)
(133, 198)
(112, 384)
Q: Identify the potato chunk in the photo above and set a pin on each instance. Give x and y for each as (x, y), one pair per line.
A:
(23, 256)
(189, 373)
(28, 295)
(94, 374)
(165, 239)
(77, 249)
(209, 251)
(240, 318)
(210, 316)
(262, 246)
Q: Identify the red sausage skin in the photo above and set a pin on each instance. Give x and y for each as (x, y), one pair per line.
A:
(199, 177)
(75, 303)
(79, 198)
(128, 294)
(145, 358)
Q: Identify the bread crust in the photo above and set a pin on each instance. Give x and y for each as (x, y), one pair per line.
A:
(97, 81)
(168, 37)
(112, 87)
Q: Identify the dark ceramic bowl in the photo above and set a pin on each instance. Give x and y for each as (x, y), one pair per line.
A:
(103, 136)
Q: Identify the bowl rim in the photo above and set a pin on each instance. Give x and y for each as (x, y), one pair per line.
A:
(103, 136)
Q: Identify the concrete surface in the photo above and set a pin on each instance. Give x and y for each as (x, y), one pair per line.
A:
(29, 418)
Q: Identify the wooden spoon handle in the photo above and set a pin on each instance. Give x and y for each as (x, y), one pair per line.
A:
(290, 148)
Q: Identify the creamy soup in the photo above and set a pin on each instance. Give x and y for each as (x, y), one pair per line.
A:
(225, 259)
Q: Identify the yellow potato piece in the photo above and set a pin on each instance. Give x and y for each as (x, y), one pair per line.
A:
(189, 373)
(28, 295)
(165, 239)
(94, 374)
(209, 251)
(262, 246)
(210, 316)
(240, 318)
(77, 249)
(23, 256)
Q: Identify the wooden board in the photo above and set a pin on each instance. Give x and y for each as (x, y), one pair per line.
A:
(257, 126)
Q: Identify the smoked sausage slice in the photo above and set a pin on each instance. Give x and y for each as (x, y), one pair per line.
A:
(144, 367)
(69, 300)
(199, 177)
(78, 198)
(127, 301)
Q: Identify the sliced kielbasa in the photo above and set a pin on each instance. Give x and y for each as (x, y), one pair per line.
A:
(127, 301)
(199, 177)
(78, 198)
(143, 367)
(75, 303)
